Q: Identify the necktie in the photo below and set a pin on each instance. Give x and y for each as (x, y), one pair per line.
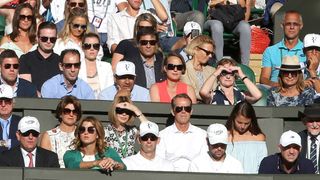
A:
(313, 153)
(30, 157)
(4, 130)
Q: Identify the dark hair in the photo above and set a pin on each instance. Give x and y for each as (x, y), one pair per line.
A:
(182, 95)
(174, 54)
(245, 109)
(46, 25)
(90, 35)
(15, 24)
(147, 31)
(64, 102)
(67, 51)
(8, 53)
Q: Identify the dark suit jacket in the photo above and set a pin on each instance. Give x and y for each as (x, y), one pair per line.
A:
(12, 132)
(26, 89)
(44, 158)
(304, 143)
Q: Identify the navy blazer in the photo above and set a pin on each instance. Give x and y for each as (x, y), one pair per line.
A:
(304, 143)
(12, 132)
(44, 158)
(26, 89)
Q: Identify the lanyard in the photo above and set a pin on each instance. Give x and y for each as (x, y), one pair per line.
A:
(98, 2)
(124, 148)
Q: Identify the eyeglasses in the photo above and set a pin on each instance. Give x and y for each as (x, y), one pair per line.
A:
(24, 17)
(290, 24)
(173, 67)
(8, 66)
(145, 42)
(206, 51)
(69, 111)
(33, 132)
(74, 4)
(90, 130)
(5, 101)
(122, 110)
(224, 73)
(87, 46)
(45, 39)
(130, 77)
(286, 73)
(181, 108)
(77, 26)
(69, 65)
(148, 136)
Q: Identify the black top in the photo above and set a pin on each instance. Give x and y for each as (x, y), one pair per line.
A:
(41, 69)
(272, 165)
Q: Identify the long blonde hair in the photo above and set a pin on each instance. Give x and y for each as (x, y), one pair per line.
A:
(300, 84)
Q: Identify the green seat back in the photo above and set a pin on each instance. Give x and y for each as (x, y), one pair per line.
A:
(2, 25)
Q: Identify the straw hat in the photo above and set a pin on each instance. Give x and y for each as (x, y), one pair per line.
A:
(290, 63)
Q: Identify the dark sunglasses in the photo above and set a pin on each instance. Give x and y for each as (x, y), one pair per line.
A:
(122, 110)
(145, 42)
(45, 39)
(90, 130)
(6, 101)
(87, 46)
(24, 17)
(77, 26)
(69, 65)
(130, 77)
(178, 109)
(224, 73)
(8, 66)
(74, 4)
(148, 136)
(68, 111)
(173, 67)
(286, 73)
(206, 51)
(33, 132)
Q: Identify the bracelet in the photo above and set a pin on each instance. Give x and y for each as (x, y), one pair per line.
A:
(244, 78)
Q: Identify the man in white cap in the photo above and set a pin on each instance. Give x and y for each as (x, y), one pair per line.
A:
(28, 154)
(124, 78)
(288, 161)
(146, 158)
(216, 160)
(311, 43)
(9, 122)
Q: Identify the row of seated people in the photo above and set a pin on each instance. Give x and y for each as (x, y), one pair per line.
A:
(239, 146)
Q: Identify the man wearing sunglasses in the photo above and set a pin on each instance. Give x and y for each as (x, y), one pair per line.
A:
(182, 141)
(146, 159)
(28, 154)
(42, 64)
(9, 69)
(124, 78)
(311, 49)
(68, 82)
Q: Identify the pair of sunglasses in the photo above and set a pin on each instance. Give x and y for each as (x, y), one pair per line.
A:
(122, 110)
(148, 136)
(87, 46)
(224, 73)
(45, 39)
(69, 65)
(24, 17)
(8, 66)
(69, 111)
(145, 42)
(33, 132)
(74, 4)
(178, 109)
(206, 51)
(6, 101)
(77, 26)
(90, 129)
(287, 73)
(173, 67)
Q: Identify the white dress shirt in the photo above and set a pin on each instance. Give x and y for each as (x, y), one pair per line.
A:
(26, 158)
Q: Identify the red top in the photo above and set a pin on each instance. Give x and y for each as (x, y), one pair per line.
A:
(163, 93)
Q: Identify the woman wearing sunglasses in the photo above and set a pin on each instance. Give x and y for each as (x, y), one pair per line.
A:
(174, 67)
(90, 149)
(201, 49)
(292, 90)
(59, 139)
(121, 134)
(226, 92)
(24, 27)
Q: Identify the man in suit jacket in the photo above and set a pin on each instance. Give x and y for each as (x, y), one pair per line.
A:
(28, 154)
(8, 121)
(311, 119)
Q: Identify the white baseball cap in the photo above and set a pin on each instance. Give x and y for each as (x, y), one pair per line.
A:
(149, 127)
(6, 91)
(189, 26)
(290, 137)
(125, 68)
(217, 133)
(311, 40)
(28, 123)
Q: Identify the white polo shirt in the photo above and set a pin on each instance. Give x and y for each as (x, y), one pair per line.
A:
(182, 147)
(204, 163)
(138, 162)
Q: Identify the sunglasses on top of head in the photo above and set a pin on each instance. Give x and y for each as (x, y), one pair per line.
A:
(87, 46)
(90, 129)
(33, 132)
(24, 17)
(148, 136)
(45, 39)
(178, 109)
(74, 4)
(145, 42)
(173, 67)
(8, 66)
(122, 110)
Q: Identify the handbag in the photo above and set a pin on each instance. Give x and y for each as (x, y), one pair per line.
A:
(228, 15)
(260, 39)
